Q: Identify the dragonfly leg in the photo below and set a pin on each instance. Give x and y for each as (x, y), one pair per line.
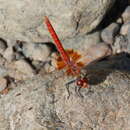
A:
(77, 91)
(68, 86)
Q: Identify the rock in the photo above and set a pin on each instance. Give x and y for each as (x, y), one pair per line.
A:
(20, 22)
(9, 54)
(95, 52)
(36, 51)
(26, 102)
(3, 46)
(121, 44)
(23, 67)
(124, 29)
(109, 33)
(20, 18)
(119, 21)
(3, 83)
(126, 15)
(83, 16)
(41, 102)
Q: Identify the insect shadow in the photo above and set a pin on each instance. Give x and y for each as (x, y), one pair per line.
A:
(98, 70)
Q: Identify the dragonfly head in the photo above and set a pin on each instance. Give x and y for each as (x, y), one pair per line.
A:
(82, 82)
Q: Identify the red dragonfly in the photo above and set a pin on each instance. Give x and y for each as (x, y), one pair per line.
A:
(68, 59)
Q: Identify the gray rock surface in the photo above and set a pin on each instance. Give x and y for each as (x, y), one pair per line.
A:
(21, 19)
(33, 95)
(8, 54)
(3, 83)
(126, 15)
(121, 44)
(124, 29)
(41, 102)
(109, 33)
(36, 51)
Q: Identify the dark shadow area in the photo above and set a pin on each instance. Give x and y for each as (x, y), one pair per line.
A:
(112, 15)
(97, 71)
(5, 43)
(51, 46)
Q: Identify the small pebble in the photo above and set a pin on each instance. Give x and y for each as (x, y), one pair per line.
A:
(24, 67)
(3, 83)
(3, 45)
(119, 20)
(126, 15)
(109, 33)
(36, 51)
(124, 29)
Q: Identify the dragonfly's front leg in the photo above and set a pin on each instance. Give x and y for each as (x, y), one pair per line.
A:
(68, 86)
(77, 90)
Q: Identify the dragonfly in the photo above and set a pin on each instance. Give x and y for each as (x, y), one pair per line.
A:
(69, 60)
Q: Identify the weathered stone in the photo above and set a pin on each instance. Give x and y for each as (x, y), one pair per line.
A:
(109, 33)
(121, 44)
(124, 29)
(3, 83)
(41, 102)
(126, 15)
(23, 67)
(82, 42)
(3, 71)
(9, 54)
(119, 20)
(95, 52)
(36, 51)
(19, 22)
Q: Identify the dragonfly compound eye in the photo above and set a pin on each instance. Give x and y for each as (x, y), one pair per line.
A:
(82, 83)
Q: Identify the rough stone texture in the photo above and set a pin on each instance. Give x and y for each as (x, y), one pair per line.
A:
(82, 42)
(23, 67)
(121, 44)
(9, 54)
(41, 103)
(126, 14)
(3, 83)
(20, 19)
(31, 101)
(36, 51)
(124, 29)
(95, 52)
(109, 33)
